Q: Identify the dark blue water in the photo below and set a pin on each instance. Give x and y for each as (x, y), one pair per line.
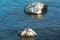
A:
(13, 20)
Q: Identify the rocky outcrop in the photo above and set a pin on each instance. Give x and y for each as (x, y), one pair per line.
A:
(28, 32)
(35, 8)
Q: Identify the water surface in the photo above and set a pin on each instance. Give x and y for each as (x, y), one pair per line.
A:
(13, 20)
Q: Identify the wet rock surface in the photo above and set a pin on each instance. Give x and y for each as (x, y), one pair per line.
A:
(35, 8)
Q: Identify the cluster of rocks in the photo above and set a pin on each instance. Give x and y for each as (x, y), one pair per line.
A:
(33, 8)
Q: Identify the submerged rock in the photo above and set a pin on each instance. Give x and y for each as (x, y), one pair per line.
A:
(35, 8)
(28, 32)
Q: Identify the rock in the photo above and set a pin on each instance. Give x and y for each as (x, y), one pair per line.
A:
(28, 32)
(35, 8)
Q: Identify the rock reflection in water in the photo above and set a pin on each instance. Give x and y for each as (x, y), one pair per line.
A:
(37, 16)
(31, 38)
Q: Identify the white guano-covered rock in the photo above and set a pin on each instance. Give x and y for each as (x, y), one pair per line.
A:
(28, 32)
(35, 8)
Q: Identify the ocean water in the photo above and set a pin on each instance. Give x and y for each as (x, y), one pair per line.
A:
(13, 20)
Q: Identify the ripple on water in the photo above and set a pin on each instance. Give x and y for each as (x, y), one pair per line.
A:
(13, 20)
(47, 33)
